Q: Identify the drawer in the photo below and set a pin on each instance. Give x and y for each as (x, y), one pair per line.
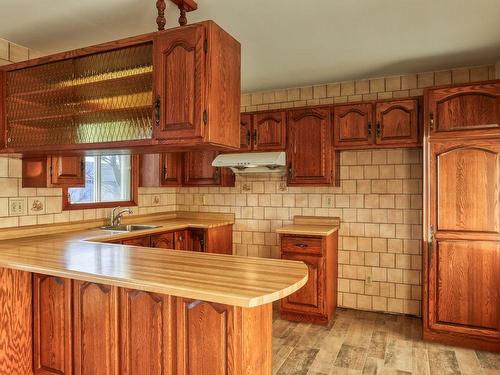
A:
(164, 240)
(302, 245)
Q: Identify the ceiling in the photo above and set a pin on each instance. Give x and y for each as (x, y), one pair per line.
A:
(285, 43)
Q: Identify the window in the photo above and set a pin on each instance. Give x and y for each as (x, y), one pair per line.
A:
(108, 180)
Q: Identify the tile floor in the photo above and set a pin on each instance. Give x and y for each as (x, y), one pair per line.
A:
(359, 342)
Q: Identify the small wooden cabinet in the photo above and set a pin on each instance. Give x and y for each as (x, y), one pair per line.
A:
(263, 131)
(198, 170)
(164, 169)
(144, 241)
(197, 79)
(316, 301)
(473, 108)
(388, 123)
(53, 171)
(163, 240)
(311, 159)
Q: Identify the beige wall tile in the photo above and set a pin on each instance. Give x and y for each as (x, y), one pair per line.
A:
(377, 85)
(362, 87)
(347, 88)
(393, 83)
(460, 75)
(409, 82)
(333, 90)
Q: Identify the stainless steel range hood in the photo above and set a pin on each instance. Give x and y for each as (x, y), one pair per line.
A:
(254, 162)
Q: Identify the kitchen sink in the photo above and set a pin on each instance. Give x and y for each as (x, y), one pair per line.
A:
(128, 228)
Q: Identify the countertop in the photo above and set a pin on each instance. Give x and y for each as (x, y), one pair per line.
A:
(311, 226)
(228, 279)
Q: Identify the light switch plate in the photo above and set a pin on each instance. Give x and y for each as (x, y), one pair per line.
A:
(17, 206)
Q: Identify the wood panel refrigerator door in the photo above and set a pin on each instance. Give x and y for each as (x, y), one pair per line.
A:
(463, 257)
(397, 123)
(311, 297)
(353, 125)
(309, 150)
(246, 132)
(206, 341)
(95, 329)
(179, 58)
(198, 169)
(269, 131)
(52, 332)
(471, 108)
(146, 332)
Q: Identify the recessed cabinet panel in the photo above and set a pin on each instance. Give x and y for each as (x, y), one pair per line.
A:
(397, 122)
(353, 125)
(466, 283)
(309, 149)
(269, 131)
(467, 107)
(52, 320)
(180, 76)
(468, 190)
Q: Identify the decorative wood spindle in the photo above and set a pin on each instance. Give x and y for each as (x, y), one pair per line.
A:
(182, 18)
(161, 20)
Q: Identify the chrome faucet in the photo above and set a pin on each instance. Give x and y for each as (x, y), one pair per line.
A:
(116, 218)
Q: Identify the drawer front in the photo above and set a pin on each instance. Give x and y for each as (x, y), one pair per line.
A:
(163, 241)
(139, 241)
(302, 245)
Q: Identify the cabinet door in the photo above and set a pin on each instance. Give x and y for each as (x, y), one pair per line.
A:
(353, 125)
(181, 240)
(269, 131)
(138, 241)
(310, 298)
(309, 150)
(397, 122)
(205, 338)
(163, 240)
(197, 240)
(171, 169)
(95, 329)
(52, 332)
(146, 331)
(179, 65)
(245, 132)
(67, 170)
(464, 108)
(463, 253)
(198, 169)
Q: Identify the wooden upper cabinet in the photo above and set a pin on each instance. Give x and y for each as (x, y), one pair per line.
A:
(269, 131)
(353, 125)
(310, 155)
(53, 171)
(161, 169)
(52, 325)
(246, 132)
(197, 86)
(198, 170)
(397, 122)
(474, 108)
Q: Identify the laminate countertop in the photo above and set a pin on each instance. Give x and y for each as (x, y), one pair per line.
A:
(227, 279)
(311, 226)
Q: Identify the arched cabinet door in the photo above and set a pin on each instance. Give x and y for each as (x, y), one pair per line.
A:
(269, 131)
(397, 122)
(464, 108)
(462, 260)
(353, 125)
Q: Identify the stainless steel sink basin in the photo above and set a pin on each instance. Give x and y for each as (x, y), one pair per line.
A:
(129, 228)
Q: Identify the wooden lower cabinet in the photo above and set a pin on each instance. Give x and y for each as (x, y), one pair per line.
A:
(130, 332)
(144, 241)
(95, 329)
(316, 301)
(52, 325)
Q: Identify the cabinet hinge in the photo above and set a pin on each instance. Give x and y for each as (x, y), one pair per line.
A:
(205, 45)
(205, 117)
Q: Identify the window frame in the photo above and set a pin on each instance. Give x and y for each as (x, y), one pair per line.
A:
(134, 182)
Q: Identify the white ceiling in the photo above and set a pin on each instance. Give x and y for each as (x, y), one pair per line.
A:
(285, 43)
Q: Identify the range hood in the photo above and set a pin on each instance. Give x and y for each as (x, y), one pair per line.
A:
(253, 162)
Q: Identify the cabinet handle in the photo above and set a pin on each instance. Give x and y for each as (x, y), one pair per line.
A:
(369, 128)
(431, 121)
(248, 137)
(290, 171)
(379, 130)
(82, 166)
(165, 173)
(301, 245)
(216, 174)
(157, 108)
(255, 136)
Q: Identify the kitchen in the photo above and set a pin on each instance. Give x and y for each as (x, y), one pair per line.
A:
(285, 217)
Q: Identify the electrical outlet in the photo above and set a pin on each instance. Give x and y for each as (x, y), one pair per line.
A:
(368, 280)
(17, 206)
(329, 201)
